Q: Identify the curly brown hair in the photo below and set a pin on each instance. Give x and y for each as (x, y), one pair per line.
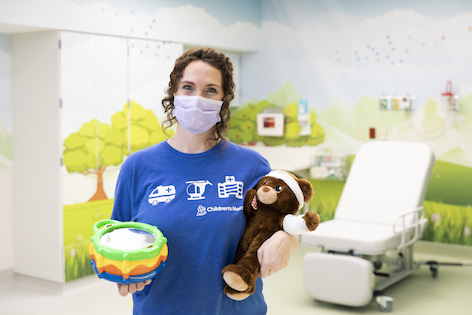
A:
(216, 59)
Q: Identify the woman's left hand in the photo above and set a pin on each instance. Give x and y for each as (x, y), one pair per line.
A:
(275, 252)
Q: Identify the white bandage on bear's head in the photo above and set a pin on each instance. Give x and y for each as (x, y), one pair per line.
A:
(292, 183)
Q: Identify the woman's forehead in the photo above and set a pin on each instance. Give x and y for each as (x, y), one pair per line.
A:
(202, 72)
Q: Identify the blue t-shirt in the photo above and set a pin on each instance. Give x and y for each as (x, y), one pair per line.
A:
(196, 201)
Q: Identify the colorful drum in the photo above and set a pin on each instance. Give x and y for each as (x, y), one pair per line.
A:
(127, 252)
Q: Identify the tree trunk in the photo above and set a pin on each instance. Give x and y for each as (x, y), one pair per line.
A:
(100, 192)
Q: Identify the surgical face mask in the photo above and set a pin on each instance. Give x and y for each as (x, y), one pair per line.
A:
(195, 113)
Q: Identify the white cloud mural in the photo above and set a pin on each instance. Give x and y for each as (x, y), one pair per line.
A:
(343, 56)
(188, 24)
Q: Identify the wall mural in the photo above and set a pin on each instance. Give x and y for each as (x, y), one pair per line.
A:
(393, 71)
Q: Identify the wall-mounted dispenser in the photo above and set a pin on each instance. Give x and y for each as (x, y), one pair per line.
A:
(397, 102)
(304, 117)
(449, 99)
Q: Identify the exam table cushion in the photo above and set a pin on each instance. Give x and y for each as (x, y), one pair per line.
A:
(361, 238)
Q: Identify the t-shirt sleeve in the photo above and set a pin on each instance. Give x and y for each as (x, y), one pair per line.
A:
(261, 167)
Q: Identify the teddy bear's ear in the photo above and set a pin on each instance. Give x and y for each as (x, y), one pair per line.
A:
(307, 189)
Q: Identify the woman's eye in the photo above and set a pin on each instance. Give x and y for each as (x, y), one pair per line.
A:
(187, 87)
(211, 91)
(278, 189)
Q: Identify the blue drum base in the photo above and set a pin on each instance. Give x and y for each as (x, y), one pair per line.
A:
(131, 279)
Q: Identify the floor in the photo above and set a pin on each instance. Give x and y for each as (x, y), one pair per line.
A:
(449, 293)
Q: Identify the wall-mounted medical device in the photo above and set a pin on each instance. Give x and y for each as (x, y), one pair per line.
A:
(449, 99)
(397, 102)
(271, 123)
(304, 117)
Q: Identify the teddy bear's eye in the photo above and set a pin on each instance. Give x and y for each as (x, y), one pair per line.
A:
(278, 189)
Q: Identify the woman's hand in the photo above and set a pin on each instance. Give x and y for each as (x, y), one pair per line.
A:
(124, 289)
(275, 252)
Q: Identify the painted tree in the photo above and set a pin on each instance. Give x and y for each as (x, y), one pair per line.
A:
(97, 145)
(144, 128)
(90, 150)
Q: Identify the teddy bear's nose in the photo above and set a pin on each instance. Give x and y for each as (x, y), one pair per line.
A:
(265, 189)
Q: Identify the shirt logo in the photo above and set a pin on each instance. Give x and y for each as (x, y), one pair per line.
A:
(162, 194)
(202, 210)
(196, 189)
(230, 187)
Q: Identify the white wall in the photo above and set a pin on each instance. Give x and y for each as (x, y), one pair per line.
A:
(6, 203)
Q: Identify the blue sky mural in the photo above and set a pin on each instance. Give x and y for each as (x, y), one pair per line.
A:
(290, 12)
(334, 50)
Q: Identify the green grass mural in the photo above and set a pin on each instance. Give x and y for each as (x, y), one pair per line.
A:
(449, 224)
(78, 229)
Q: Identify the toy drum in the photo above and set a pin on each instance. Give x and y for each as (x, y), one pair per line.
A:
(127, 252)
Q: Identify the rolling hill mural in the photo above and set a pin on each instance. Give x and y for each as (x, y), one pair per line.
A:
(448, 204)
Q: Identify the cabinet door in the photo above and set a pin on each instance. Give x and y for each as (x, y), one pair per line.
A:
(94, 88)
(94, 84)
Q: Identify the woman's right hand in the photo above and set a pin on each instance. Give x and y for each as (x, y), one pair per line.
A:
(124, 289)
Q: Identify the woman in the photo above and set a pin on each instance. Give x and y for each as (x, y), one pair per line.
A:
(207, 177)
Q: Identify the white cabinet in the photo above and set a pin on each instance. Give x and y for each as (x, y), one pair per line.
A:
(81, 104)
(37, 205)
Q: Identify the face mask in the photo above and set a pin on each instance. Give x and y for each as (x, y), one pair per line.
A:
(195, 113)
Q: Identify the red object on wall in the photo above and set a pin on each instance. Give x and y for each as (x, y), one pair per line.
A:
(372, 133)
(448, 91)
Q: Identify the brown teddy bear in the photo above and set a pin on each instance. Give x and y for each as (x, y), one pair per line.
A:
(269, 207)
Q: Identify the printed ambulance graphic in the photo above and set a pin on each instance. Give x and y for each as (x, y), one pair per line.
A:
(162, 194)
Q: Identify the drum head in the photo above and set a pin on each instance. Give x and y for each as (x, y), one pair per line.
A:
(128, 239)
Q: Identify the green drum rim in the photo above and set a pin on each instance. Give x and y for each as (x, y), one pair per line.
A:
(102, 227)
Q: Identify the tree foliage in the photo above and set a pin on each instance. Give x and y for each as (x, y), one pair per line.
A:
(97, 145)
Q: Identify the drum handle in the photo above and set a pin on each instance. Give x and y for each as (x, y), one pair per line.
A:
(99, 224)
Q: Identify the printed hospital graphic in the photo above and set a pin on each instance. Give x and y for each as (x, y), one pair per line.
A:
(230, 187)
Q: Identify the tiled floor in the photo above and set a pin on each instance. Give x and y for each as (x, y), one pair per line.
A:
(450, 293)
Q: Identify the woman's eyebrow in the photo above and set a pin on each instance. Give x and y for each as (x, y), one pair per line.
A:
(213, 84)
(186, 82)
